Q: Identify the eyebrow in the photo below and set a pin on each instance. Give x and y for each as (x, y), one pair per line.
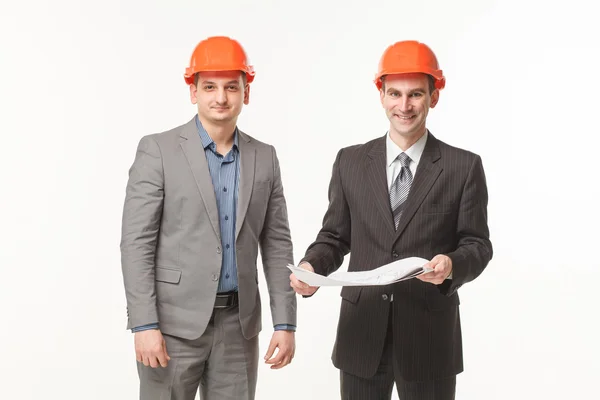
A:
(214, 83)
(393, 90)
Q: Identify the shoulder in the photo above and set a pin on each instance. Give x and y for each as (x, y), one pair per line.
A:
(167, 138)
(265, 152)
(254, 141)
(456, 155)
(358, 152)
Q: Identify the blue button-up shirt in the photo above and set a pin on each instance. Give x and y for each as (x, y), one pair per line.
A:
(224, 172)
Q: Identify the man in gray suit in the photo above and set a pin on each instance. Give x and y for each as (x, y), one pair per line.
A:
(409, 332)
(200, 201)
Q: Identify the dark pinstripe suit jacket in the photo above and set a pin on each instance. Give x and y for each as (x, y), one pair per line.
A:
(446, 213)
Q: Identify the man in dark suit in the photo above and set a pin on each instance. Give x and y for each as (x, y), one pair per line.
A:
(406, 194)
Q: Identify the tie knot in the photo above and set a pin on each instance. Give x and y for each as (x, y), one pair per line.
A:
(404, 159)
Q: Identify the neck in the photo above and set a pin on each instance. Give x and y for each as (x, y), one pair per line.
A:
(405, 142)
(220, 133)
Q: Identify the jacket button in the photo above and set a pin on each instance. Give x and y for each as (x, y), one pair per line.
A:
(394, 254)
(384, 297)
(218, 250)
(215, 277)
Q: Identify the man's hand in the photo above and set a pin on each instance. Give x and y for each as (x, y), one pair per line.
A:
(285, 342)
(301, 287)
(442, 267)
(151, 349)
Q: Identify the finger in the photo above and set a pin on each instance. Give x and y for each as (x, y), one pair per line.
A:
(138, 356)
(146, 360)
(162, 359)
(165, 350)
(281, 354)
(271, 349)
(278, 359)
(300, 285)
(306, 292)
(282, 364)
(294, 282)
(153, 361)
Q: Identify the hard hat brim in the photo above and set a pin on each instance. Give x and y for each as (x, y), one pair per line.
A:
(189, 74)
(440, 81)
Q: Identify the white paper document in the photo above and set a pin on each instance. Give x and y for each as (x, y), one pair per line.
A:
(396, 271)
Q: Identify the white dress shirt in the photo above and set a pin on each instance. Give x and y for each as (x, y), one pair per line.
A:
(393, 151)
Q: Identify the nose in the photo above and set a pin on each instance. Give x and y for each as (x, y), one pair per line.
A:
(222, 96)
(404, 104)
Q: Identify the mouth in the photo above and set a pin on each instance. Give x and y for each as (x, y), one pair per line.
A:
(404, 117)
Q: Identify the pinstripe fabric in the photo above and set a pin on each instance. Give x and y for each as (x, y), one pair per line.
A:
(445, 213)
(224, 172)
(380, 385)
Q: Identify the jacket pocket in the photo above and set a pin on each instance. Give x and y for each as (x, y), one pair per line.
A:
(169, 275)
(437, 301)
(351, 293)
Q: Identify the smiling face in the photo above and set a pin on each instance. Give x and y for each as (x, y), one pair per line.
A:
(406, 99)
(220, 95)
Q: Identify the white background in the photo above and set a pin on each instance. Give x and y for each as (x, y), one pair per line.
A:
(81, 82)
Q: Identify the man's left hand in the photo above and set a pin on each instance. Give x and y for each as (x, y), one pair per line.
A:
(442, 267)
(285, 343)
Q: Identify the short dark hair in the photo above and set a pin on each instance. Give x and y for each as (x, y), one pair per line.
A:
(244, 78)
(430, 79)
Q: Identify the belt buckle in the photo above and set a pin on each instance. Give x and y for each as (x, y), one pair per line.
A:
(225, 300)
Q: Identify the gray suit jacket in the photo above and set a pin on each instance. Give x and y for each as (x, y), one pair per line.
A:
(170, 246)
(445, 213)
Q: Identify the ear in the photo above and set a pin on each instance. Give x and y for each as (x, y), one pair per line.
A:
(435, 97)
(247, 93)
(381, 95)
(193, 94)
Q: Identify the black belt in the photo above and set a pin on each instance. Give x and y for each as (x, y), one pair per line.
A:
(225, 300)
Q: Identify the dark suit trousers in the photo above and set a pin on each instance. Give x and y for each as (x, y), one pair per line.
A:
(380, 386)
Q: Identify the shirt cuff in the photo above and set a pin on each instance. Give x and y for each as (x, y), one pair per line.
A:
(285, 327)
(144, 327)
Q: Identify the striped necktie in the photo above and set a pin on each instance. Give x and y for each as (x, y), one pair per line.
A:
(400, 188)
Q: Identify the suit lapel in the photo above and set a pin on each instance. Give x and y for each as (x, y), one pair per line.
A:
(376, 172)
(246, 178)
(194, 152)
(426, 175)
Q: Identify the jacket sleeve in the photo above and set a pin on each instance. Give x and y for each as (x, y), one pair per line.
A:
(142, 214)
(277, 252)
(474, 250)
(327, 252)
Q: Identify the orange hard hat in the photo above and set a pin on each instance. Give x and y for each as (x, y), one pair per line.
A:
(218, 53)
(409, 56)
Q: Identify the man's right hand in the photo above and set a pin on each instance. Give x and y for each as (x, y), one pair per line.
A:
(300, 287)
(151, 349)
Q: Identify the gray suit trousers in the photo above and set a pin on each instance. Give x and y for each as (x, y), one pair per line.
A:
(222, 363)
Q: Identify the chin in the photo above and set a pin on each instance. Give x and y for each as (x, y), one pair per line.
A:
(222, 117)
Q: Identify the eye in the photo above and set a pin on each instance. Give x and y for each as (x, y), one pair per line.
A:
(394, 94)
(233, 87)
(208, 87)
(417, 94)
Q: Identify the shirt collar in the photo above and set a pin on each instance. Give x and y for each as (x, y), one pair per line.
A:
(207, 140)
(414, 152)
